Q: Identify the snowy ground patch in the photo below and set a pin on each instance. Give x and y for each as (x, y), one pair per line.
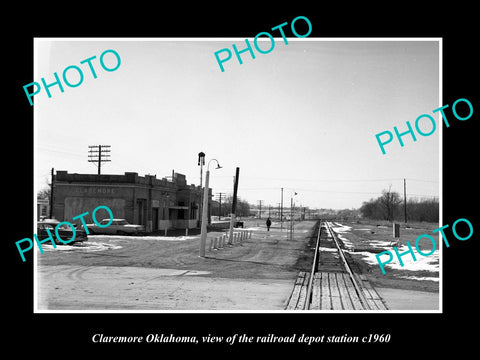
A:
(430, 263)
(84, 246)
(136, 238)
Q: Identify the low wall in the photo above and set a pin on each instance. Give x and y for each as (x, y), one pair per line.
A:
(184, 224)
(219, 225)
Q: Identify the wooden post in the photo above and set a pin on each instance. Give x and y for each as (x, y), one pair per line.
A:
(396, 230)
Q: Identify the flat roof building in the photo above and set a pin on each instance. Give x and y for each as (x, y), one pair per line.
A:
(155, 203)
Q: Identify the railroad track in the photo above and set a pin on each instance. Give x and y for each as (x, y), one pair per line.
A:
(331, 284)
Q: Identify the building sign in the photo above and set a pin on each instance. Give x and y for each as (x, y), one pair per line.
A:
(95, 190)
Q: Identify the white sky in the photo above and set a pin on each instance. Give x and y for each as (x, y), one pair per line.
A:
(303, 117)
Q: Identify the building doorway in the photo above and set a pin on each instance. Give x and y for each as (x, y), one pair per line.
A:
(155, 218)
(141, 211)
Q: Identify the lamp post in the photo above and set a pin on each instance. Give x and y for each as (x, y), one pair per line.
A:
(292, 210)
(201, 162)
(203, 238)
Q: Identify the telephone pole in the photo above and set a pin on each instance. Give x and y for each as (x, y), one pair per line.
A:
(98, 154)
(405, 198)
(260, 209)
(51, 194)
(281, 213)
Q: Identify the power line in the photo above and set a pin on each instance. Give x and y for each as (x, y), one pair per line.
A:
(96, 153)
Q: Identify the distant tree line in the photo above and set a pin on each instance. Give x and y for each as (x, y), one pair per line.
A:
(242, 207)
(390, 207)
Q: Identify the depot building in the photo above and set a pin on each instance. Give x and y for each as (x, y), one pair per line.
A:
(145, 200)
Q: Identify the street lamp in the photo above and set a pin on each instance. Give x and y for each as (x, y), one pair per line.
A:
(203, 239)
(201, 162)
(292, 207)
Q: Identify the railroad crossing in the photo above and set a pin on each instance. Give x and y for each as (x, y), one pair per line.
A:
(331, 284)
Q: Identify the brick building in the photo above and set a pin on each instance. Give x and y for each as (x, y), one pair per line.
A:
(155, 203)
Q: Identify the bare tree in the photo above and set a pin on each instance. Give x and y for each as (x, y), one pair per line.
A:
(390, 201)
(44, 194)
(243, 207)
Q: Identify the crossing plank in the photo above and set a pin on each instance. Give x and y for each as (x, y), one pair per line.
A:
(315, 305)
(325, 293)
(294, 297)
(375, 298)
(303, 293)
(334, 291)
(344, 295)
(357, 303)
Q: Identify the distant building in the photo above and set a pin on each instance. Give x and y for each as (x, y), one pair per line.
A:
(43, 208)
(155, 203)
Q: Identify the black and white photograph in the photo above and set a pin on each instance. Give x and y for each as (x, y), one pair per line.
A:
(318, 195)
(224, 180)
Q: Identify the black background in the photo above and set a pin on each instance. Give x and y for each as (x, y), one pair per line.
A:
(60, 335)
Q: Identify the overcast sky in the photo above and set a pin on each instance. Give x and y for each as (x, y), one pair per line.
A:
(302, 117)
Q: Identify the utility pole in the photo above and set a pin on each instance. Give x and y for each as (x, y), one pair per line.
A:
(51, 195)
(220, 204)
(292, 213)
(405, 198)
(291, 218)
(234, 205)
(260, 209)
(96, 153)
(281, 213)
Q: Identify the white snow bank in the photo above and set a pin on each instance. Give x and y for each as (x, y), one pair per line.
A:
(428, 263)
(423, 263)
(85, 246)
(135, 238)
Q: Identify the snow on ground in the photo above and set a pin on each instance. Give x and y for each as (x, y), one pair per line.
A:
(342, 229)
(97, 242)
(150, 237)
(324, 249)
(430, 263)
(85, 246)
(423, 263)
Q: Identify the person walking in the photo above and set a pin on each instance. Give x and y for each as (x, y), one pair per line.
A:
(269, 222)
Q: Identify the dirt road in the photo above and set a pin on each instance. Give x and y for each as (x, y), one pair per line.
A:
(156, 273)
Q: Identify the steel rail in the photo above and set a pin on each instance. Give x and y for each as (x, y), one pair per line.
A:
(347, 267)
(306, 304)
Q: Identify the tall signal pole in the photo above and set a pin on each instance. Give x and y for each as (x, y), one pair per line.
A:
(98, 154)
